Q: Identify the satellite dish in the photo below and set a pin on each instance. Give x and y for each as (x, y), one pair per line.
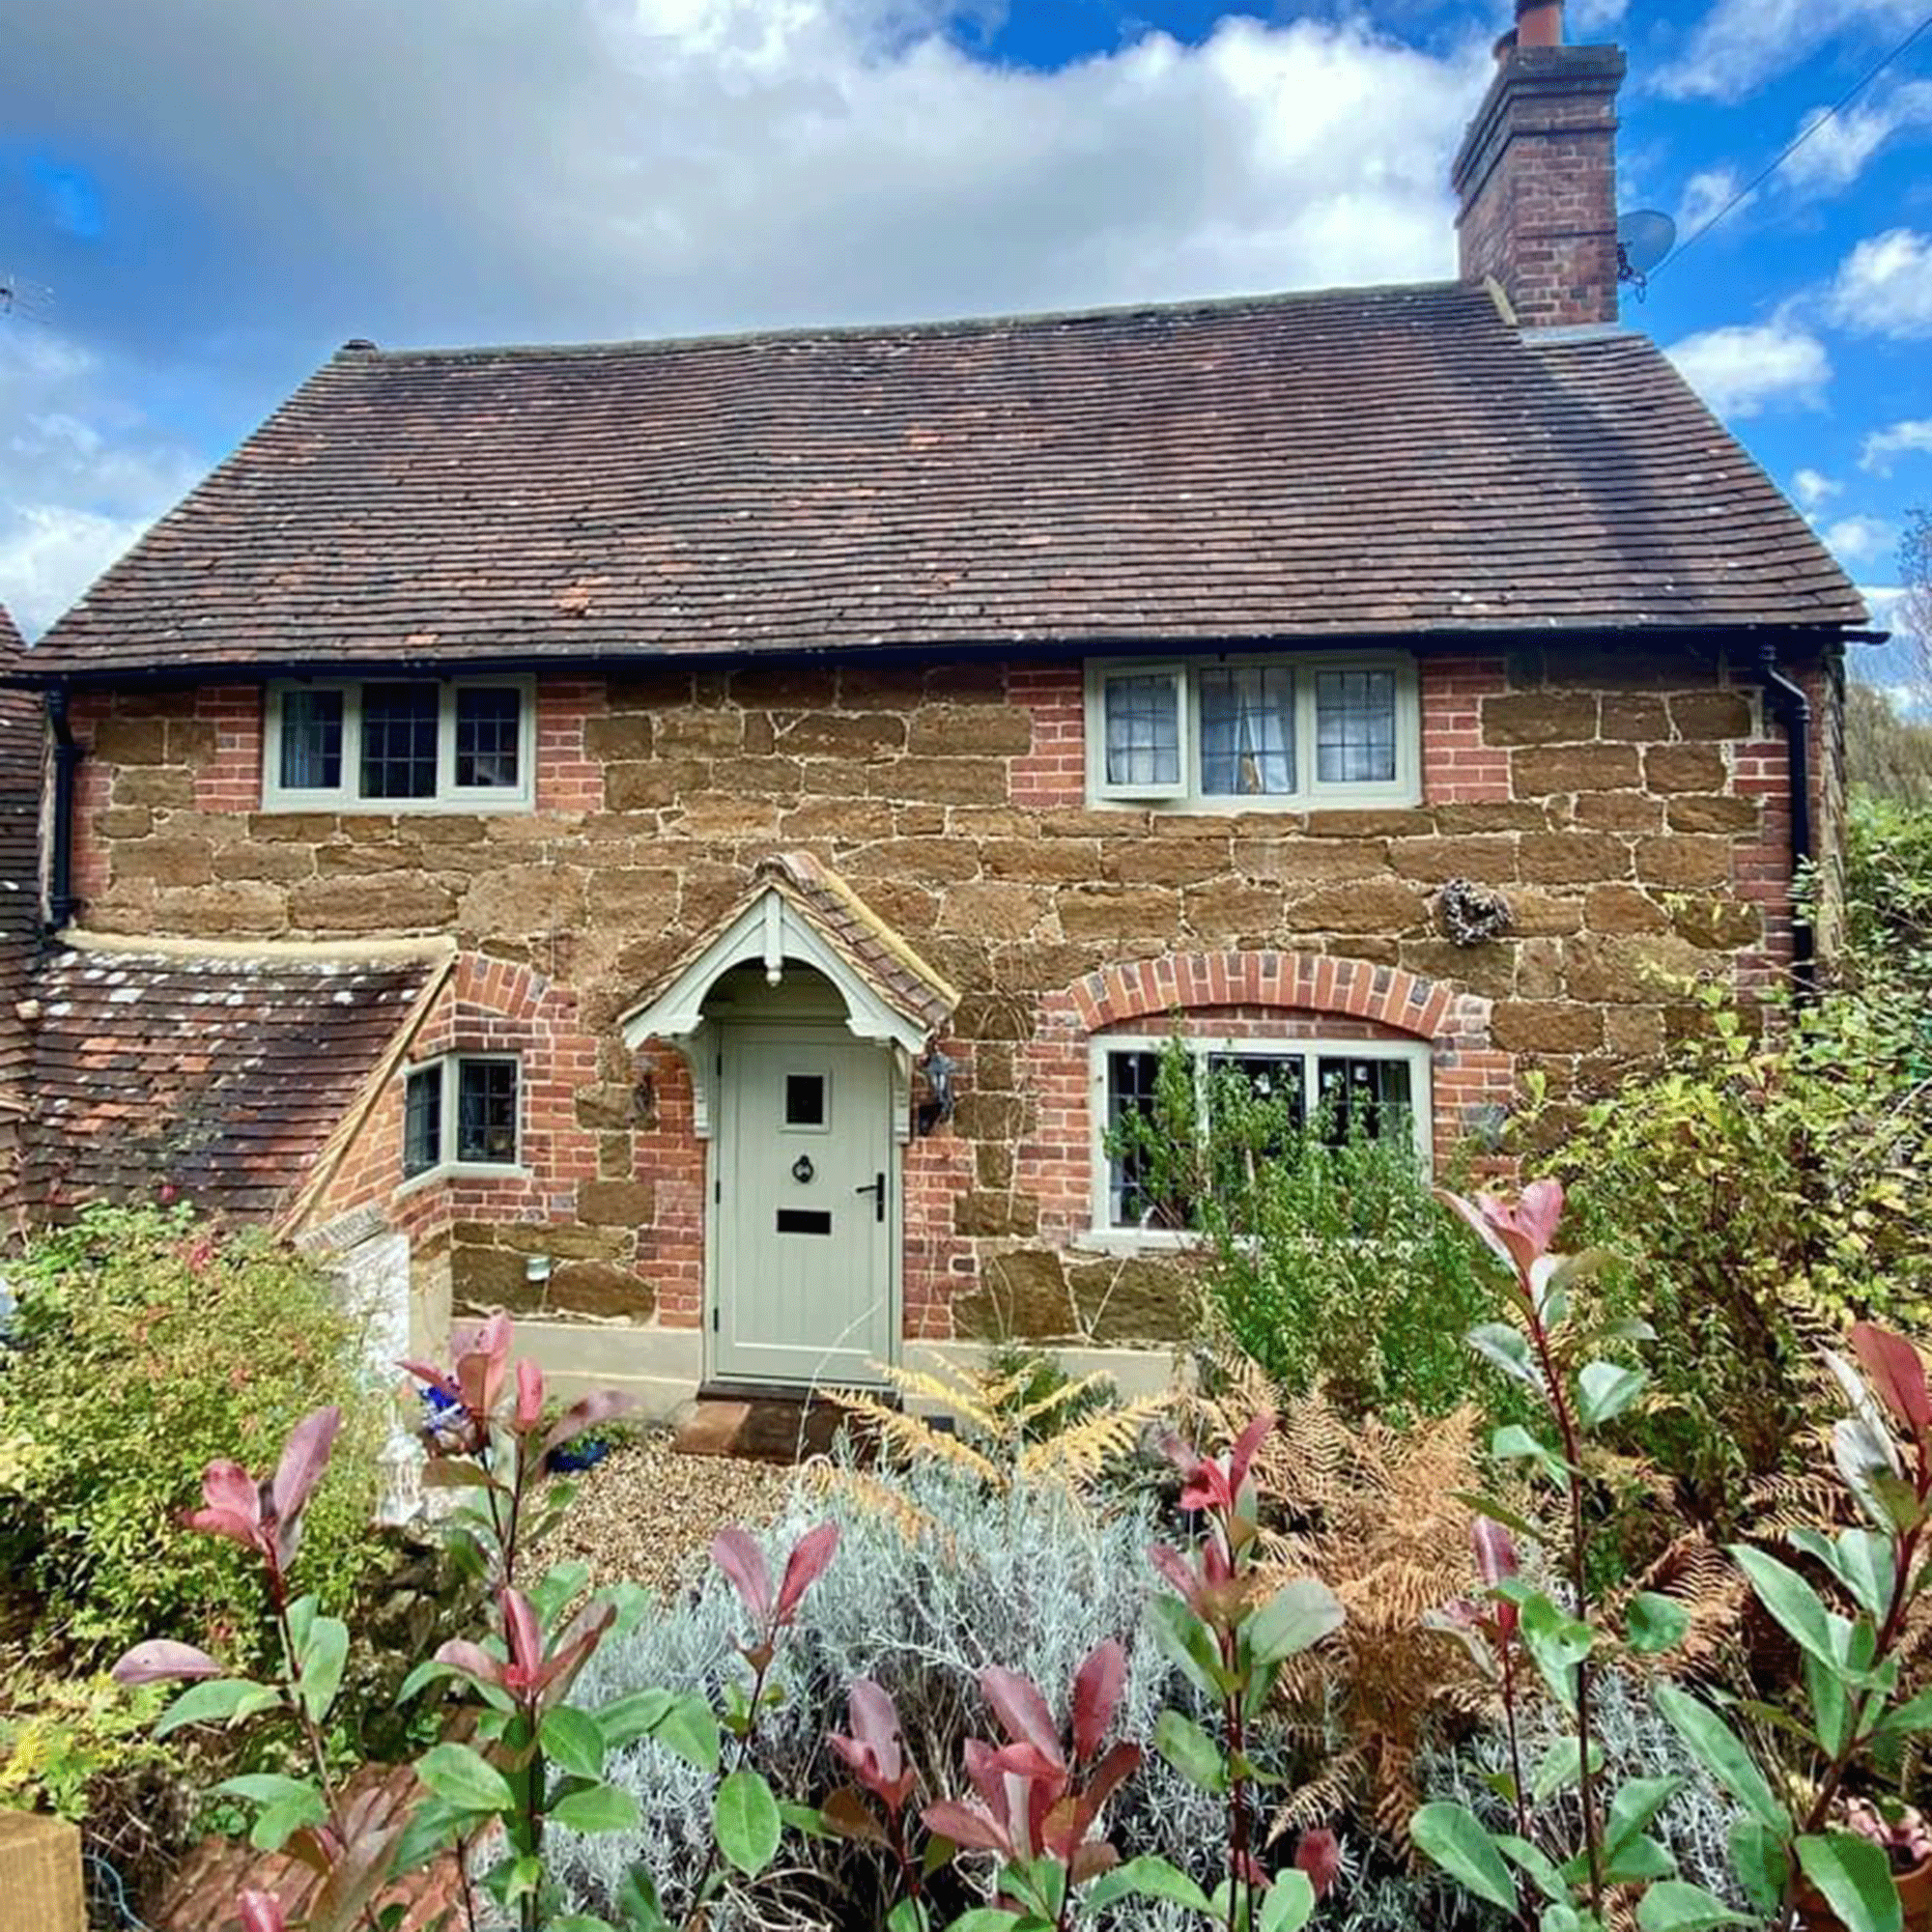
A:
(1644, 237)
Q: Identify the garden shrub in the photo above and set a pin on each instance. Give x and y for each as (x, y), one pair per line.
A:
(79, 1747)
(919, 1600)
(146, 1344)
(1322, 1257)
(1767, 1185)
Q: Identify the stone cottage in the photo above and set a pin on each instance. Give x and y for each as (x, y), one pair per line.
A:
(700, 837)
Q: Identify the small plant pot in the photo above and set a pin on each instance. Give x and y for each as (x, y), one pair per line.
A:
(1915, 1898)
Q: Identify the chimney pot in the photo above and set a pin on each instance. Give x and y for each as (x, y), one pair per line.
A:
(1539, 23)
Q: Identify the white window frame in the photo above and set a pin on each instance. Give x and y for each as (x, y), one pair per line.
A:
(1311, 794)
(448, 1065)
(449, 796)
(1202, 1049)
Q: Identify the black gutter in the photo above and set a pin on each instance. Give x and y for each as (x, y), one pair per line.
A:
(878, 651)
(61, 903)
(1793, 710)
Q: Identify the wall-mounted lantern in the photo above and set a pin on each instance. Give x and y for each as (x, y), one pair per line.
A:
(937, 1069)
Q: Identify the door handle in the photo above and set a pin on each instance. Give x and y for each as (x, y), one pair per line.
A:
(876, 1188)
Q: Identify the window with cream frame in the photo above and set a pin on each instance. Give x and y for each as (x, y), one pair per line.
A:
(400, 744)
(463, 1114)
(1274, 731)
(1379, 1086)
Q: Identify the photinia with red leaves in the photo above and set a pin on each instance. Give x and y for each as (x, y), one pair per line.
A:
(491, 1435)
(1036, 1802)
(1232, 1631)
(873, 1751)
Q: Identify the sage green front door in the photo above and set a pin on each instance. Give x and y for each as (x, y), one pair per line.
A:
(805, 1209)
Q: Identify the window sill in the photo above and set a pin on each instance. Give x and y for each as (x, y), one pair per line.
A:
(463, 1170)
(1406, 800)
(1134, 1241)
(481, 807)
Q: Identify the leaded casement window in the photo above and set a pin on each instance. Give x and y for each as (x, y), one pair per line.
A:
(462, 1111)
(466, 744)
(1256, 734)
(1342, 1088)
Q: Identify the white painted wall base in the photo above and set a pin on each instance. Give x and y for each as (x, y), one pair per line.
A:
(660, 1367)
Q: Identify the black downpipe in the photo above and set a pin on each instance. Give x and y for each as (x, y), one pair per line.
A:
(62, 904)
(1794, 713)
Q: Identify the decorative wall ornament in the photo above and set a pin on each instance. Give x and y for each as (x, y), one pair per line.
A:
(1471, 914)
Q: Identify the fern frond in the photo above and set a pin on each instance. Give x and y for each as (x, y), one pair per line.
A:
(956, 1393)
(1068, 1392)
(917, 1440)
(1078, 1455)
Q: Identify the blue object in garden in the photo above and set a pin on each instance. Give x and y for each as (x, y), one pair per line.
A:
(585, 1453)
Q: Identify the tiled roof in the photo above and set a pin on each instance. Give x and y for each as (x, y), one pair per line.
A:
(895, 971)
(219, 1077)
(1360, 460)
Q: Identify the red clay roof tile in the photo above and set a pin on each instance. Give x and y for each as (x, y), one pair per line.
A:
(1357, 460)
(221, 1077)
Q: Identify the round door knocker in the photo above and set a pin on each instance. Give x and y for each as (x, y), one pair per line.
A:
(802, 1169)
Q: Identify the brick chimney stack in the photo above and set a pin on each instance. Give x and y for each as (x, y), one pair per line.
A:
(1537, 175)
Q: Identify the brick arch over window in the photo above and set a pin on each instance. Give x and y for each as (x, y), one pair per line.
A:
(1270, 992)
(1316, 982)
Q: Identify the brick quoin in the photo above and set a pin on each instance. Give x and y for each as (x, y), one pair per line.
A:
(231, 779)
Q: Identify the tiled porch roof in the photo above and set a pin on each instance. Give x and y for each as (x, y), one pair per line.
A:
(218, 1077)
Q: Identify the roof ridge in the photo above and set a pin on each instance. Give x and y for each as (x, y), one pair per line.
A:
(359, 349)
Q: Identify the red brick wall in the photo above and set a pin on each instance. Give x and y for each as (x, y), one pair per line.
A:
(1459, 765)
(1538, 183)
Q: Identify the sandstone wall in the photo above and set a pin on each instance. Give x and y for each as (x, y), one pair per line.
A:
(1627, 805)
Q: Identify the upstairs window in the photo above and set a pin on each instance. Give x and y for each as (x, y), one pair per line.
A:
(461, 1111)
(1345, 1087)
(401, 745)
(1254, 733)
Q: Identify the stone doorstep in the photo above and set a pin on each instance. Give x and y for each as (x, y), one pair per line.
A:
(761, 1428)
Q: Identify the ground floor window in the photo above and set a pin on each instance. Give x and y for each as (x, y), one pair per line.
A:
(461, 1111)
(1334, 1088)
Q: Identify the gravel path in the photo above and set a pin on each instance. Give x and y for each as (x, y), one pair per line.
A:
(642, 1514)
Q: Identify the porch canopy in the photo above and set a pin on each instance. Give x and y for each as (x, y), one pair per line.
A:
(799, 912)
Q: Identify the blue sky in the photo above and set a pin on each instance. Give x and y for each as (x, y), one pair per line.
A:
(201, 201)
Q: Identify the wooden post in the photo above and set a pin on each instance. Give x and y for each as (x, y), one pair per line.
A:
(39, 1872)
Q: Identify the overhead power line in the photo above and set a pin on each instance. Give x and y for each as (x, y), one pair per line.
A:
(1765, 173)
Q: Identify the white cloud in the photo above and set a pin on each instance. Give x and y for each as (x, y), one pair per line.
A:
(559, 169)
(1856, 540)
(1884, 287)
(1812, 487)
(1911, 438)
(1834, 154)
(1595, 16)
(1740, 44)
(1704, 194)
(1748, 368)
(85, 472)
